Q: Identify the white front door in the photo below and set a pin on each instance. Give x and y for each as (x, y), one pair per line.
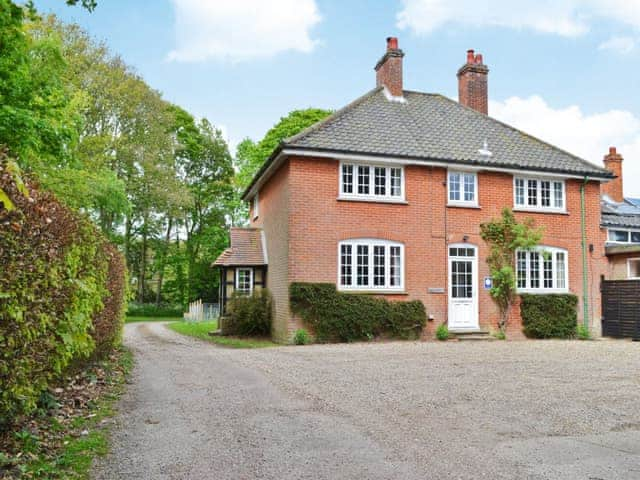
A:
(463, 289)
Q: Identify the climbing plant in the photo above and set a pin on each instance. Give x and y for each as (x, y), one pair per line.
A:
(505, 236)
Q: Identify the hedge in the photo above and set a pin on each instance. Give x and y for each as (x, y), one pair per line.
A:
(249, 315)
(344, 317)
(151, 310)
(62, 288)
(549, 316)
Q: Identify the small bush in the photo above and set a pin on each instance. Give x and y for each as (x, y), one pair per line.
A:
(301, 337)
(442, 332)
(249, 315)
(499, 335)
(583, 332)
(152, 310)
(549, 316)
(347, 317)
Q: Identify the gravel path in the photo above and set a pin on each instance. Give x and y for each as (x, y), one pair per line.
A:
(499, 410)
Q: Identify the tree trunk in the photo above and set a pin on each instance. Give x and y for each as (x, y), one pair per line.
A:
(163, 260)
(143, 264)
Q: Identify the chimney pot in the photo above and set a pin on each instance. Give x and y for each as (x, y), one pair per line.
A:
(470, 57)
(612, 150)
(479, 59)
(392, 43)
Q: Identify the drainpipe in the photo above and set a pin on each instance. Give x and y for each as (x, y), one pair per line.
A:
(585, 286)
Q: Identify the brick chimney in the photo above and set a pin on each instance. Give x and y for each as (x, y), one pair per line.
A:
(613, 188)
(389, 68)
(472, 83)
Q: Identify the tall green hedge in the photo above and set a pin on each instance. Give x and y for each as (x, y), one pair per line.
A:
(58, 273)
(345, 317)
(549, 316)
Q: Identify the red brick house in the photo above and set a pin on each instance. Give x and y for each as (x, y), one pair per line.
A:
(386, 197)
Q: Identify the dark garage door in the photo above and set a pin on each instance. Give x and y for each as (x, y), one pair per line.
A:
(621, 308)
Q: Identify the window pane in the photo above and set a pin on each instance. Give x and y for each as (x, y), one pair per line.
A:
(380, 176)
(618, 235)
(454, 186)
(346, 265)
(635, 237)
(394, 267)
(363, 265)
(521, 269)
(532, 193)
(469, 187)
(519, 191)
(547, 267)
(396, 182)
(461, 279)
(545, 193)
(534, 270)
(378, 265)
(561, 275)
(363, 180)
(634, 268)
(558, 200)
(347, 178)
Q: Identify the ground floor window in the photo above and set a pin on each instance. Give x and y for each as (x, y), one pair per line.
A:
(244, 281)
(633, 268)
(370, 264)
(542, 270)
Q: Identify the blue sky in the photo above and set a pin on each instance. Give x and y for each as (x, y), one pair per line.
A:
(564, 70)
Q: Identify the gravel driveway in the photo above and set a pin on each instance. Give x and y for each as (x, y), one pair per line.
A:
(525, 410)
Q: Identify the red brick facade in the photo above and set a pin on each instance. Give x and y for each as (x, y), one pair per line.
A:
(304, 221)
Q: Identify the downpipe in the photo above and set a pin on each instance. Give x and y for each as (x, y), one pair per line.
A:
(585, 281)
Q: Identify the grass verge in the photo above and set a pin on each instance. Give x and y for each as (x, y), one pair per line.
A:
(61, 442)
(134, 319)
(201, 331)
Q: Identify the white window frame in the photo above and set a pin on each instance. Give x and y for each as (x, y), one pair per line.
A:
(371, 196)
(554, 267)
(552, 196)
(629, 262)
(371, 243)
(462, 201)
(256, 205)
(237, 283)
(629, 231)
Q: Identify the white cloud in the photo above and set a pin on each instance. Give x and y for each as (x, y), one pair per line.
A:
(588, 136)
(622, 45)
(568, 18)
(237, 30)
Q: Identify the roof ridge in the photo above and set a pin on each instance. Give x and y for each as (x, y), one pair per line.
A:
(511, 127)
(338, 113)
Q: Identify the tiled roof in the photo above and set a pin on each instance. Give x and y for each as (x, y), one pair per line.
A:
(246, 248)
(625, 214)
(433, 127)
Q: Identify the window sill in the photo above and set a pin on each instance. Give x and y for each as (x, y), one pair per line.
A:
(464, 205)
(373, 200)
(373, 292)
(540, 210)
(542, 291)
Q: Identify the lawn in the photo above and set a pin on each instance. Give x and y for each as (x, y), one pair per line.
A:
(133, 319)
(201, 331)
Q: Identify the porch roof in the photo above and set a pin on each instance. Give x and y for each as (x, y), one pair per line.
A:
(247, 248)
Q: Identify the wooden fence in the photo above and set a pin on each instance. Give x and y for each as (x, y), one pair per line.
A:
(621, 308)
(202, 312)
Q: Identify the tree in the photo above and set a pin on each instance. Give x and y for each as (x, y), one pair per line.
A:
(504, 237)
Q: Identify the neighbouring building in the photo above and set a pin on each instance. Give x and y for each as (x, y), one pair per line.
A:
(386, 197)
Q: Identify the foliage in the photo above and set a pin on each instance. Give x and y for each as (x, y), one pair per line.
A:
(344, 317)
(54, 282)
(249, 315)
(499, 335)
(442, 332)
(549, 316)
(302, 337)
(583, 332)
(152, 310)
(202, 331)
(504, 236)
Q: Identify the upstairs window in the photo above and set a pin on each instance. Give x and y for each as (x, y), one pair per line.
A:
(539, 194)
(256, 206)
(370, 264)
(542, 270)
(462, 188)
(623, 236)
(371, 182)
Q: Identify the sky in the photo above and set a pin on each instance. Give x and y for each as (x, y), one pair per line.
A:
(566, 71)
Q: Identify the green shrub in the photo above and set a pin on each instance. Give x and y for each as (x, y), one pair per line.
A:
(442, 332)
(499, 335)
(135, 309)
(583, 332)
(249, 315)
(54, 284)
(347, 317)
(549, 316)
(301, 337)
